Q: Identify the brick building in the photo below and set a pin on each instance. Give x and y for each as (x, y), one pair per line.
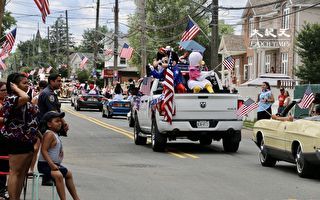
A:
(268, 37)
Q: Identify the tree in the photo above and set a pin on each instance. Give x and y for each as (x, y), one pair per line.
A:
(307, 44)
(7, 22)
(88, 39)
(166, 21)
(83, 75)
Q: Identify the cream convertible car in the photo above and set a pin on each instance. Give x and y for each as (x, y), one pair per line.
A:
(295, 141)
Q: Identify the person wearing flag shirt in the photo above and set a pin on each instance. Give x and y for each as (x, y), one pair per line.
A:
(265, 100)
(197, 80)
(178, 79)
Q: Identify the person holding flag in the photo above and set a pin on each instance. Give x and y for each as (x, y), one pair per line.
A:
(265, 101)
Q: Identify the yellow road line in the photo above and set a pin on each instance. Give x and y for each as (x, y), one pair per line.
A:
(123, 132)
(176, 154)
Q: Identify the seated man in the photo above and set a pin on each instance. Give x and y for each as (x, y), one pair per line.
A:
(316, 115)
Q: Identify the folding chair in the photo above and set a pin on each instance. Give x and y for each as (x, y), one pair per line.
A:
(35, 176)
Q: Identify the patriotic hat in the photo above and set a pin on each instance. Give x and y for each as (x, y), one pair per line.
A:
(195, 59)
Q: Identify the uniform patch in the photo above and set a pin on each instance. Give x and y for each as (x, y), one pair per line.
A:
(51, 98)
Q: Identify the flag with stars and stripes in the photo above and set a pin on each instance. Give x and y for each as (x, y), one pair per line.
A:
(8, 44)
(168, 90)
(43, 6)
(191, 31)
(83, 62)
(126, 51)
(247, 107)
(307, 99)
(228, 62)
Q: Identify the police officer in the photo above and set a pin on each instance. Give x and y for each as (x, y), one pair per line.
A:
(48, 99)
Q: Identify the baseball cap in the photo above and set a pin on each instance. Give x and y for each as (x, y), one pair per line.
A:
(52, 114)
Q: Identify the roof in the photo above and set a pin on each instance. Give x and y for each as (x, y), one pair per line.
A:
(271, 78)
(259, 10)
(232, 43)
(304, 2)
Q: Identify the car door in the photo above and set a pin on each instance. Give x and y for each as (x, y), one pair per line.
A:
(145, 112)
(273, 134)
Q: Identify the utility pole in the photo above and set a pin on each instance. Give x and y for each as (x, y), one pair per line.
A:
(48, 32)
(95, 43)
(67, 32)
(2, 5)
(116, 34)
(214, 35)
(57, 40)
(143, 38)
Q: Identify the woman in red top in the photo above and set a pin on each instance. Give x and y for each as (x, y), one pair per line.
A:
(4, 164)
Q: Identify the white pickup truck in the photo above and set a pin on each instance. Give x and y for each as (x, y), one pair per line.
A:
(199, 117)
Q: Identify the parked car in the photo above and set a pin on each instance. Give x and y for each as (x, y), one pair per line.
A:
(296, 141)
(116, 108)
(92, 101)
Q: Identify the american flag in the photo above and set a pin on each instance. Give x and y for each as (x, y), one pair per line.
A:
(3, 65)
(146, 85)
(168, 90)
(126, 51)
(83, 62)
(191, 31)
(48, 70)
(32, 72)
(8, 44)
(228, 62)
(108, 52)
(41, 70)
(43, 6)
(247, 107)
(307, 98)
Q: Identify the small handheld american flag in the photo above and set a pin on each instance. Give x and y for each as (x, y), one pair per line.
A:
(307, 98)
(247, 107)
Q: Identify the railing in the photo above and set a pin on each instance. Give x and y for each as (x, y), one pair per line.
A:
(286, 84)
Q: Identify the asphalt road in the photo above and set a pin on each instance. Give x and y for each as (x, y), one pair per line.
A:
(106, 164)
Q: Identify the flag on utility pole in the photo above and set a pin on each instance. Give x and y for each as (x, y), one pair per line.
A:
(83, 62)
(43, 6)
(126, 51)
(191, 31)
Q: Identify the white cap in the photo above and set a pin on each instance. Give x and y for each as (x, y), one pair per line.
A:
(195, 59)
(168, 48)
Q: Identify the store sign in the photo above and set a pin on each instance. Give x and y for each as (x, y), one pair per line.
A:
(269, 38)
(108, 73)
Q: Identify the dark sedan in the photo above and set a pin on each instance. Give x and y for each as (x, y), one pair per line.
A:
(89, 101)
(116, 108)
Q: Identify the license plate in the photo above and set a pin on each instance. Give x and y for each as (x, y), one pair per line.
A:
(203, 124)
(92, 99)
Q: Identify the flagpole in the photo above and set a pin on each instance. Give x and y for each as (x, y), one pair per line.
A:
(200, 28)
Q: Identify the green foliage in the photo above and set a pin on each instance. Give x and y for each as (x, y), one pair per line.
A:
(64, 72)
(8, 22)
(87, 44)
(83, 75)
(308, 42)
(166, 21)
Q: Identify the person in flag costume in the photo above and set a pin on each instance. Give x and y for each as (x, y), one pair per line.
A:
(197, 81)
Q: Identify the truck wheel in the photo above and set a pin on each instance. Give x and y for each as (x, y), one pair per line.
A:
(231, 142)
(138, 140)
(265, 159)
(131, 121)
(158, 140)
(205, 140)
(304, 168)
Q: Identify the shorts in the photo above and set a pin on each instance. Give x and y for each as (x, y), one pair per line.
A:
(44, 168)
(13, 147)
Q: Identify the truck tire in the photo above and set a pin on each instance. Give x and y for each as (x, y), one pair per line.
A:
(231, 141)
(158, 140)
(138, 140)
(131, 121)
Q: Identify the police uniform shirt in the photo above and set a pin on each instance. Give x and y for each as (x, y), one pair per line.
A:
(48, 101)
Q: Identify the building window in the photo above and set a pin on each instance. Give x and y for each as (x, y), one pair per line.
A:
(245, 72)
(284, 63)
(285, 17)
(123, 61)
(267, 64)
(251, 26)
(250, 68)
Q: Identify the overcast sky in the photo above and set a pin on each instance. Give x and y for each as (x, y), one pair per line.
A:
(82, 13)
